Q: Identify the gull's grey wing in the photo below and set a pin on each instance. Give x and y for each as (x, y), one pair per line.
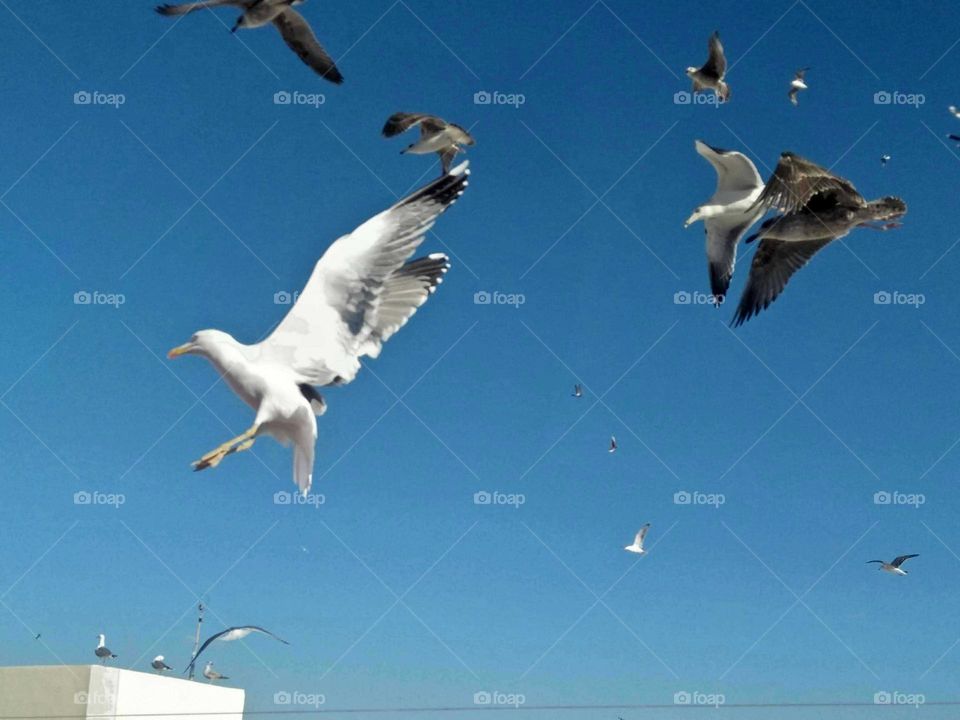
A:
(773, 265)
(401, 122)
(299, 37)
(901, 559)
(169, 9)
(795, 180)
(723, 234)
(735, 171)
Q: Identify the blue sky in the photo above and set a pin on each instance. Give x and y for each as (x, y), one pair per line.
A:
(198, 199)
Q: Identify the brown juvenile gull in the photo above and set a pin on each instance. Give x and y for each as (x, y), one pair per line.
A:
(818, 207)
(436, 135)
(711, 75)
(294, 29)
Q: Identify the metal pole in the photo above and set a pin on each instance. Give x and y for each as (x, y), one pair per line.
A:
(196, 638)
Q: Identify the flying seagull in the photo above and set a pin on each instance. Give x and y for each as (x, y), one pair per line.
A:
(578, 390)
(884, 159)
(637, 546)
(728, 214)
(818, 207)
(294, 29)
(102, 651)
(229, 635)
(955, 138)
(954, 111)
(894, 567)
(613, 444)
(360, 293)
(436, 135)
(796, 85)
(212, 675)
(711, 75)
(159, 665)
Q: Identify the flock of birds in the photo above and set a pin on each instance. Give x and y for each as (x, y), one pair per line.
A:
(159, 664)
(365, 287)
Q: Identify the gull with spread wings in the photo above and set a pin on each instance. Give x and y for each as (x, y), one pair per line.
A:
(728, 214)
(293, 28)
(711, 75)
(436, 136)
(818, 207)
(229, 635)
(360, 293)
(796, 85)
(894, 565)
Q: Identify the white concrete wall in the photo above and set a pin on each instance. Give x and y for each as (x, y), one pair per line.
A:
(87, 690)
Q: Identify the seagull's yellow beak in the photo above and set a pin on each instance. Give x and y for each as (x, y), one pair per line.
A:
(180, 350)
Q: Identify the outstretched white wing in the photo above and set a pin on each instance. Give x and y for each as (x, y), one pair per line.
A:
(360, 291)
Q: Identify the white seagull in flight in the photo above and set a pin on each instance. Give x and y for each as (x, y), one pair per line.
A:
(728, 214)
(796, 85)
(436, 136)
(894, 566)
(294, 30)
(360, 293)
(637, 546)
(229, 635)
(711, 75)
(102, 651)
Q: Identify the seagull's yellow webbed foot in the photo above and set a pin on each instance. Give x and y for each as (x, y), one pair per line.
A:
(237, 444)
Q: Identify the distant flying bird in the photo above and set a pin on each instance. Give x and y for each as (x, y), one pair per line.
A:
(884, 159)
(229, 635)
(37, 636)
(711, 75)
(360, 293)
(818, 207)
(436, 136)
(159, 665)
(613, 444)
(955, 138)
(578, 390)
(954, 111)
(102, 651)
(294, 30)
(797, 84)
(637, 546)
(728, 214)
(212, 675)
(894, 567)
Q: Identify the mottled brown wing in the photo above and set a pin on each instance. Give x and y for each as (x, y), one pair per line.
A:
(401, 122)
(796, 180)
(773, 265)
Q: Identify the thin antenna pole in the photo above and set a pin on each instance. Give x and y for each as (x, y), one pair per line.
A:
(196, 638)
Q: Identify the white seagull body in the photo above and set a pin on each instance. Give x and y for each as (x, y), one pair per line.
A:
(711, 75)
(893, 566)
(159, 665)
(613, 444)
(212, 675)
(293, 28)
(954, 111)
(637, 546)
(436, 136)
(796, 85)
(102, 651)
(729, 213)
(360, 293)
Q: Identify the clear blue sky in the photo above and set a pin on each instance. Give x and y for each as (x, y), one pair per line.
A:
(105, 199)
